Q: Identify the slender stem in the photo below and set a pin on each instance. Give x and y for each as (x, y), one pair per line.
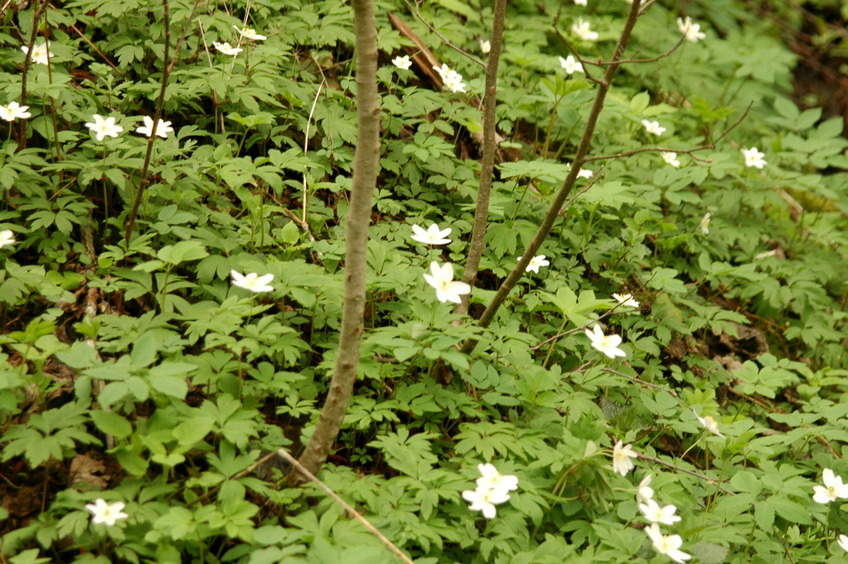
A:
(356, 515)
(687, 471)
(167, 67)
(27, 59)
(487, 167)
(365, 168)
(157, 115)
(582, 150)
(414, 9)
(306, 149)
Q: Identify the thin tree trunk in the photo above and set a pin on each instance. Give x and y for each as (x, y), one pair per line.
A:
(366, 162)
(487, 166)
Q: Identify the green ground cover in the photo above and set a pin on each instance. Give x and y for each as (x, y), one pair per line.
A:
(171, 291)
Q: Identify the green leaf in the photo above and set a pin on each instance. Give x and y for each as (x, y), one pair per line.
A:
(790, 510)
(131, 461)
(111, 423)
(176, 524)
(173, 386)
(192, 431)
(289, 234)
(764, 515)
(145, 350)
(639, 102)
(80, 355)
(182, 252)
(708, 552)
(29, 557)
(112, 393)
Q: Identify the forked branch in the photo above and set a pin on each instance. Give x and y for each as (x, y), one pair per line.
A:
(582, 150)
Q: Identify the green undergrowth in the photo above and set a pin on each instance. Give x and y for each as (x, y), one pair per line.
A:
(136, 372)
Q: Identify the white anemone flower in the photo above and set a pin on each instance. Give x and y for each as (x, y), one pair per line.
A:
(451, 79)
(621, 455)
(492, 479)
(583, 30)
(492, 489)
(162, 128)
(709, 424)
(226, 48)
(253, 281)
(485, 500)
(667, 544)
(14, 111)
(537, 262)
(832, 490)
(705, 223)
(402, 62)
(104, 127)
(754, 158)
(433, 235)
(656, 514)
(645, 492)
(570, 64)
(653, 127)
(40, 53)
(249, 33)
(7, 237)
(607, 344)
(106, 513)
(626, 300)
(691, 30)
(447, 289)
(670, 159)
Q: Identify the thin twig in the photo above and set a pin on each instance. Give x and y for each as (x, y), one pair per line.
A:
(645, 6)
(595, 178)
(735, 123)
(98, 51)
(306, 146)
(783, 542)
(677, 46)
(656, 150)
(641, 382)
(573, 50)
(576, 329)
(712, 145)
(444, 39)
(762, 403)
(356, 515)
(690, 472)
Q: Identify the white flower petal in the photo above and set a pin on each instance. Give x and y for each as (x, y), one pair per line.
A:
(621, 455)
(106, 513)
(402, 62)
